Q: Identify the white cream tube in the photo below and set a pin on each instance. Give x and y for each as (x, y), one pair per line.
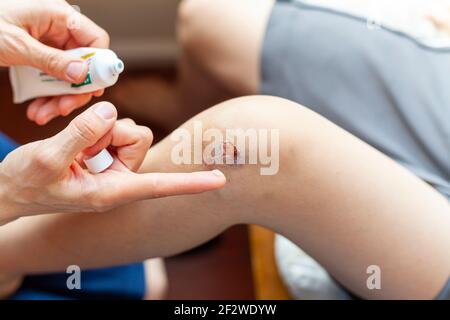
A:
(104, 69)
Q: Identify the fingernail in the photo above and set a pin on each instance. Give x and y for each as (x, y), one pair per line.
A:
(106, 111)
(218, 173)
(75, 71)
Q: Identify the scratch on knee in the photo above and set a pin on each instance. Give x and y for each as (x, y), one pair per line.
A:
(230, 153)
(224, 153)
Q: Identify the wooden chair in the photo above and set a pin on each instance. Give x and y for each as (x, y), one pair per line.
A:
(267, 281)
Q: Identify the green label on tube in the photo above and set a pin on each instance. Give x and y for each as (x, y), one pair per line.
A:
(85, 83)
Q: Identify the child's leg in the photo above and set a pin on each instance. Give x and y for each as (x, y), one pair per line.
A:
(156, 279)
(221, 42)
(343, 202)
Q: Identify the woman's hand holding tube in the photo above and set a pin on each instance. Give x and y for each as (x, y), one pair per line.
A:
(48, 176)
(35, 33)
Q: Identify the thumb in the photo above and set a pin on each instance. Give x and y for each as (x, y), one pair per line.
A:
(83, 132)
(55, 62)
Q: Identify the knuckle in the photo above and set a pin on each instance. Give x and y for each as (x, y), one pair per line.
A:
(96, 200)
(81, 129)
(99, 207)
(154, 184)
(15, 43)
(127, 120)
(18, 37)
(146, 135)
(51, 61)
(58, 6)
(105, 36)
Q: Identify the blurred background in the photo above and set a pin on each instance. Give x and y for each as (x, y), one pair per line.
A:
(143, 32)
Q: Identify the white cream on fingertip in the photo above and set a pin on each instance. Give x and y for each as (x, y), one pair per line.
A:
(100, 162)
(104, 68)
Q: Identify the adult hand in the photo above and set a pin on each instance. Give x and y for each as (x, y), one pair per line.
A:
(48, 176)
(35, 33)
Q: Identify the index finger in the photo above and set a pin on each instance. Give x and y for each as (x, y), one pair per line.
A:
(86, 33)
(157, 185)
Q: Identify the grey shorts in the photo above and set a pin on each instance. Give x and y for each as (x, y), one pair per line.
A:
(382, 86)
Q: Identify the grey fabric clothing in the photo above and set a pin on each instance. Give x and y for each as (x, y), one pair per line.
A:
(380, 85)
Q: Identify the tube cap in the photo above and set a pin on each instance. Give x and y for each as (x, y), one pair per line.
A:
(100, 162)
(118, 66)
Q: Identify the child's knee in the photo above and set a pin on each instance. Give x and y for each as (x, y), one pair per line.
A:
(255, 135)
(255, 132)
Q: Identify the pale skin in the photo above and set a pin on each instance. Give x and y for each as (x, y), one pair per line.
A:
(345, 203)
(221, 41)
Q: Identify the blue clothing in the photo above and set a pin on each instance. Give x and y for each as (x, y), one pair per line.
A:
(124, 282)
(6, 146)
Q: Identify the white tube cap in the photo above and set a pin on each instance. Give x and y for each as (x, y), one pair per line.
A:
(118, 66)
(100, 162)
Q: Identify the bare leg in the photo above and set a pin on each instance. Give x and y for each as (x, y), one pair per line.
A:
(342, 201)
(221, 42)
(155, 279)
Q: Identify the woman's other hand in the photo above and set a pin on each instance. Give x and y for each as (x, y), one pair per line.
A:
(49, 176)
(36, 33)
